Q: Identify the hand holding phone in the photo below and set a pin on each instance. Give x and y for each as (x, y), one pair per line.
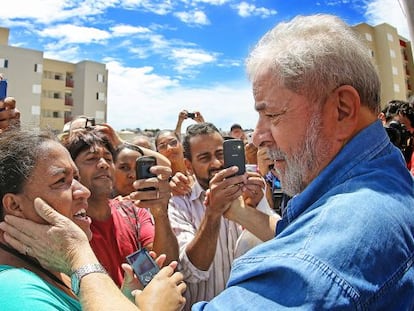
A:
(233, 150)
(143, 165)
(144, 265)
(191, 115)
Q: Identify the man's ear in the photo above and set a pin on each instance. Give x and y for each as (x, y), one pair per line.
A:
(347, 108)
(12, 205)
(188, 165)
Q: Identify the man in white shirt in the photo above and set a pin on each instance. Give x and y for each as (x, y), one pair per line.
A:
(207, 240)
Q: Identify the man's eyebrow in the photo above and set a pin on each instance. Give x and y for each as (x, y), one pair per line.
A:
(202, 154)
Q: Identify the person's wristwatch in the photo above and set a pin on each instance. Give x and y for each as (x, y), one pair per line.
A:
(78, 274)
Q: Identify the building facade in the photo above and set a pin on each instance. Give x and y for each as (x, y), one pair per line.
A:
(393, 56)
(49, 92)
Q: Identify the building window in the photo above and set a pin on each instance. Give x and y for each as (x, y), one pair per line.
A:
(58, 76)
(100, 96)
(396, 88)
(368, 36)
(69, 79)
(390, 37)
(4, 63)
(36, 89)
(38, 68)
(394, 71)
(36, 110)
(101, 78)
(392, 53)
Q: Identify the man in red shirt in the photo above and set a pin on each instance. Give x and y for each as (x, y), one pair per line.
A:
(119, 227)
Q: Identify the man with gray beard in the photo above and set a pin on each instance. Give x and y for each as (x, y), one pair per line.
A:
(346, 239)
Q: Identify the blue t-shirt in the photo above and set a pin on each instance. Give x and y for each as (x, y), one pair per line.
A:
(345, 243)
(21, 289)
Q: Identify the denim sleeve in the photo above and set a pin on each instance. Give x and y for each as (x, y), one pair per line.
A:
(288, 281)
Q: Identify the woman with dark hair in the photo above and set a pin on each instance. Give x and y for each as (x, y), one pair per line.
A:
(33, 166)
(169, 145)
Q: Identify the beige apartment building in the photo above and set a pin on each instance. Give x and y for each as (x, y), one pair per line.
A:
(51, 92)
(393, 56)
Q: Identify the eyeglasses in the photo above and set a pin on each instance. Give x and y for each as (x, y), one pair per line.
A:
(171, 143)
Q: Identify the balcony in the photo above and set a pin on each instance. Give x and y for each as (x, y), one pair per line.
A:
(69, 83)
(68, 101)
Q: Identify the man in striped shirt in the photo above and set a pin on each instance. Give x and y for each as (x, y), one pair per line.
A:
(207, 240)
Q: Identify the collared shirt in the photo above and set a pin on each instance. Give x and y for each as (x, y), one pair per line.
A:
(345, 243)
(186, 213)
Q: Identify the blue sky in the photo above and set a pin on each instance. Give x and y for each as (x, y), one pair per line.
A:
(164, 56)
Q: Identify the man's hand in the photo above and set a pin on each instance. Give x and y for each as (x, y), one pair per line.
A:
(9, 114)
(224, 188)
(181, 184)
(157, 199)
(164, 292)
(253, 190)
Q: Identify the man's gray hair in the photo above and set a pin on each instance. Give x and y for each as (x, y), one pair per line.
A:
(313, 55)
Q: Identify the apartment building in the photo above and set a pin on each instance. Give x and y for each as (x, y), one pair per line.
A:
(393, 56)
(50, 92)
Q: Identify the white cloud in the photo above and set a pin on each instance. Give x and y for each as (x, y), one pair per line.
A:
(68, 54)
(245, 10)
(49, 11)
(125, 30)
(188, 58)
(196, 17)
(141, 99)
(160, 7)
(212, 2)
(387, 11)
(67, 33)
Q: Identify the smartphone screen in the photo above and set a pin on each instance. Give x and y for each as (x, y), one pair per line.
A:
(233, 150)
(143, 165)
(143, 265)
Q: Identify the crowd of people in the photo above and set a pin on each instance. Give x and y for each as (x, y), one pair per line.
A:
(322, 219)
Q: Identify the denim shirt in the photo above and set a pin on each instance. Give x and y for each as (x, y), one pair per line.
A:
(345, 243)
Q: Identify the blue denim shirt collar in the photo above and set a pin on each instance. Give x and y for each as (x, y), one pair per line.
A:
(360, 147)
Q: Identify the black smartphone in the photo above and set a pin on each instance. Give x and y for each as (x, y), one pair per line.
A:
(191, 115)
(143, 265)
(143, 165)
(233, 150)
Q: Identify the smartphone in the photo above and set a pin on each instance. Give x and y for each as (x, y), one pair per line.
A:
(249, 137)
(233, 150)
(143, 265)
(143, 165)
(191, 115)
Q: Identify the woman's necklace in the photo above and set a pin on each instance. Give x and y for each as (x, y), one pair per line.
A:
(33, 263)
